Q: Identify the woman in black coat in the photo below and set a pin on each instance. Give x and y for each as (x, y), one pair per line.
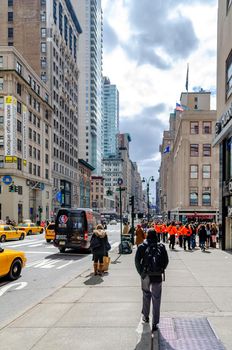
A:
(202, 236)
(100, 246)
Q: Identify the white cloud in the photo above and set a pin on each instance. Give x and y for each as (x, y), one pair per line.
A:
(143, 84)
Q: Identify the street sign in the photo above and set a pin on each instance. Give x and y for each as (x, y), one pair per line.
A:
(7, 179)
(120, 181)
(121, 189)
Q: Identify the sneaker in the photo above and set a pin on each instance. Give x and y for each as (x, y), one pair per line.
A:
(145, 319)
(154, 328)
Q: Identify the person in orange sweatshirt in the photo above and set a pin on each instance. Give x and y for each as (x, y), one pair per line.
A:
(186, 232)
(164, 232)
(158, 230)
(172, 230)
(180, 236)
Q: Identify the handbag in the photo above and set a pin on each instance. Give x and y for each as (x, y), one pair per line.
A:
(108, 246)
(106, 263)
(94, 243)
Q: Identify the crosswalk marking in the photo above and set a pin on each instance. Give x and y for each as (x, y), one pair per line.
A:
(49, 264)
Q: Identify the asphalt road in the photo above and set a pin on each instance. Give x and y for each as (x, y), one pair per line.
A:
(46, 270)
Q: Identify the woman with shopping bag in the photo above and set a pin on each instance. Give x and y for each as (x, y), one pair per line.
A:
(100, 246)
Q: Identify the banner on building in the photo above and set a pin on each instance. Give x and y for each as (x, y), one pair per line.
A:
(10, 106)
(25, 146)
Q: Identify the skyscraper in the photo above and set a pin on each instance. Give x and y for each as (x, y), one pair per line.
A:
(46, 34)
(110, 119)
(89, 13)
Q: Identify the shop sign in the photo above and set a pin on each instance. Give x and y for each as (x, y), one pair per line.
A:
(225, 118)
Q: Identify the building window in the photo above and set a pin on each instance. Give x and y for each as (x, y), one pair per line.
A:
(43, 32)
(207, 150)
(19, 107)
(19, 126)
(30, 168)
(10, 3)
(43, 2)
(54, 11)
(38, 170)
(34, 136)
(10, 16)
(19, 163)
(193, 171)
(30, 133)
(193, 196)
(38, 154)
(1, 102)
(34, 169)
(60, 18)
(1, 119)
(206, 171)
(207, 128)
(43, 47)
(30, 150)
(46, 174)
(1, 83)
(19, 145)
(10, 33)
(38, 139)
(229, 75)
(194, 128)
(43, 17)
(1, 141)
(43, 62)
(19, 68)
(206, 196)
(66, 29)
(1, 61)
(10, 43)
(46, 143)
(194, 150)
(19, 89)
(46, 159)
(70, 38)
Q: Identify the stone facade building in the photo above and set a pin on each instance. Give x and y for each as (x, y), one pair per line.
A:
(25, 140)
(190, 165)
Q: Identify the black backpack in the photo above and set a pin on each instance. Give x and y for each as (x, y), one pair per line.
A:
(125, 248)
(155, 260)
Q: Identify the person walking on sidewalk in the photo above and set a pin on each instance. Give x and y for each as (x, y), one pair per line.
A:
(140, 235)
(100, 246)
(151, 260)
(172, 230)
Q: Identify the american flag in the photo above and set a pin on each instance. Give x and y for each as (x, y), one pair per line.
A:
(179, 107)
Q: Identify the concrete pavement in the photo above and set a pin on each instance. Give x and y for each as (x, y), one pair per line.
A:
(101, 313)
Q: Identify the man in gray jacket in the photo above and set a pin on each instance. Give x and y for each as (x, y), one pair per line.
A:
(151, 260)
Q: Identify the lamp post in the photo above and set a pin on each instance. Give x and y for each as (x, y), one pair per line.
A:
(147, 181)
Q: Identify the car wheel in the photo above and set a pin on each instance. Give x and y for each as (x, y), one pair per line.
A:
(15, 269)
(3, 238)
(48, 240)
(62, 250)
(22, 237)
(29, 232)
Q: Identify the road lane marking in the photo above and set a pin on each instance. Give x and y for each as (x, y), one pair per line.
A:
(20, 285)
(62, 266)
(21, 244)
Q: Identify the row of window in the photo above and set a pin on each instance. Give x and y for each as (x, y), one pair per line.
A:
(206, 127)
(194, 150)
(194, 196)
(206, 171)
(36, 170)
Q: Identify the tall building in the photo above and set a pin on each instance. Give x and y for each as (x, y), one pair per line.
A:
(189, 175)
(89, 13)
(110, 118)
(223, 130)
(46, 33)
(25, 140)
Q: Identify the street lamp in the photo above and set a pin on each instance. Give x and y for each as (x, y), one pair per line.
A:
(147, 181)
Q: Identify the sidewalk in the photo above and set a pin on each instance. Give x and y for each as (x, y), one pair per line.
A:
(101, 313)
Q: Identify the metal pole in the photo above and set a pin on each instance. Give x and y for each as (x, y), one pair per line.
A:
(120, 208)
(148, 201)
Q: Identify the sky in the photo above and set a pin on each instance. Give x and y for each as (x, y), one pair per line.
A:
(147, 45)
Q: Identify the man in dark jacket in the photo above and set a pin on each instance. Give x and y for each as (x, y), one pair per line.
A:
(151, 284)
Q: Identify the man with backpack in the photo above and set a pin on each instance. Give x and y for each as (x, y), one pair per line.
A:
(151, 260)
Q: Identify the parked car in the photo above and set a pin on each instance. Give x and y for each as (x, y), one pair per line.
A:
(30, 228)
(50, 232)
(8, 232)
(11, 263)
(113, 222)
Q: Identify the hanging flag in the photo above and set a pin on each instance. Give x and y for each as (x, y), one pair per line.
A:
(187, 78)
(179, 107)
(167, 149)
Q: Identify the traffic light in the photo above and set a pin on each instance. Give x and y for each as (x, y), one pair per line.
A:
(11, 188)
(16, 188)
(131, 200)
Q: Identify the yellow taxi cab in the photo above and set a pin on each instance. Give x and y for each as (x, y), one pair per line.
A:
(50, 232)
(9, 232)
(30, 228)
(11, 263)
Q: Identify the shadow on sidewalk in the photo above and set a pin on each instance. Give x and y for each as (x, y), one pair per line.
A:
(145, 342)
(93, 280)
(164, 344)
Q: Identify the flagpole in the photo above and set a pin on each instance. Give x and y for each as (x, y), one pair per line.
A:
(187, 81)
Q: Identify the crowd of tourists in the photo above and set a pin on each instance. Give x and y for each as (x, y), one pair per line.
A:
(187, 236)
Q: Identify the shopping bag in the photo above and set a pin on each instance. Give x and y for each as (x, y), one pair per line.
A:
(106, 262)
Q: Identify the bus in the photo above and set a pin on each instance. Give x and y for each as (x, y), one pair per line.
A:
(74, 228)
